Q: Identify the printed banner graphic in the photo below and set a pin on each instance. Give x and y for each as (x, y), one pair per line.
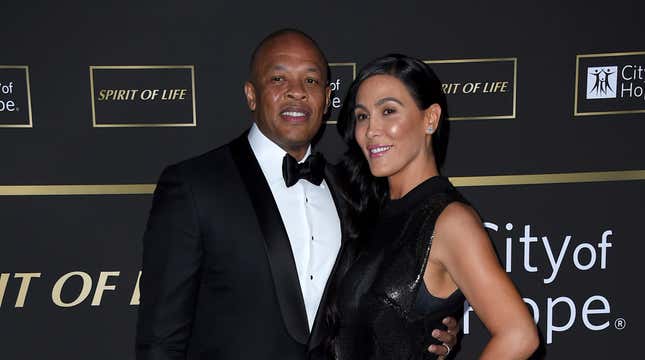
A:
(143, 96)
(342, 75)
(609, 84)
(478, 88)
(15, 97)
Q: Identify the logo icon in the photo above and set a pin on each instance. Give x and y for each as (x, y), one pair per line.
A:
(601, 82)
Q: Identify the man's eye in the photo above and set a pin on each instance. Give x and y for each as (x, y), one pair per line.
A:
(388, 111)
(312, 81)
(277, 78)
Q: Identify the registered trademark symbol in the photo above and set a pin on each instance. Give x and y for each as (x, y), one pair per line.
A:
(620, 323)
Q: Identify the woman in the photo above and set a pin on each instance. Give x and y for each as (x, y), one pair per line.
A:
(422, 247)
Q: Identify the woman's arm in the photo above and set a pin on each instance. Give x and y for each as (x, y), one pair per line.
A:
(462, 247)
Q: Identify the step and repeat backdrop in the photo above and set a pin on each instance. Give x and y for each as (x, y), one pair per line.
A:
(547, 110)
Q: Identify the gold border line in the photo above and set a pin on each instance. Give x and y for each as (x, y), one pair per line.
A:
(450, 61)
(143, 67)
(39, 190)
(31, 122)
(352, 64)
(459, 181)
(627, 53)
(556, 178)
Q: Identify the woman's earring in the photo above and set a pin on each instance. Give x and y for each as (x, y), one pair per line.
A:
(429, 130)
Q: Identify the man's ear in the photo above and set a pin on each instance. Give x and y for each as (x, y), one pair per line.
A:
(249, 91)
(327, 98)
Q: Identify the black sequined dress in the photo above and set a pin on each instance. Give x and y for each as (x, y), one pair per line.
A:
(385, 309)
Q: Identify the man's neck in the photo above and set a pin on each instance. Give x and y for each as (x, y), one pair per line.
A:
(297, 154)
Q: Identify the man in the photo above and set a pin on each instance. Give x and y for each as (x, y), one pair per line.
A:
(237, 252)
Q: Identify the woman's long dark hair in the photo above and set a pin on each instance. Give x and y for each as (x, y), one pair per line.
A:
(368, 193)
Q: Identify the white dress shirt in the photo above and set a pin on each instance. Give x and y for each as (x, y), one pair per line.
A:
(309, 216)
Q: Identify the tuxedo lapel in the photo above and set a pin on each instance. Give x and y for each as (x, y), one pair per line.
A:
(278, 247)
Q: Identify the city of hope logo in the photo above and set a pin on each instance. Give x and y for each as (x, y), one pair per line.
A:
(601, 82)
(610, 84)
(342, 75)
(15, 97)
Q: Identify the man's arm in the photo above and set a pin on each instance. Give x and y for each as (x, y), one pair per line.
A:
(448, 337)
(172, 253)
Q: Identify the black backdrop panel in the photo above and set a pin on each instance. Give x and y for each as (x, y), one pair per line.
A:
(568, 223)
(73, 250)
(42, 243)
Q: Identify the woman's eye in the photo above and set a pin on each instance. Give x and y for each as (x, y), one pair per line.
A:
(360, 117)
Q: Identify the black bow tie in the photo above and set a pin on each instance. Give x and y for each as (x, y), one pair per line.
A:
(312, 169)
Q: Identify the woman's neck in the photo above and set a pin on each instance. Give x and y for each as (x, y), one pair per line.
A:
(407, 179)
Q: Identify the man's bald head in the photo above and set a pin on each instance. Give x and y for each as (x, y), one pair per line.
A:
(277, 36)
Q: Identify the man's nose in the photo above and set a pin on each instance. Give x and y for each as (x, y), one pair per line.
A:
(296, 91)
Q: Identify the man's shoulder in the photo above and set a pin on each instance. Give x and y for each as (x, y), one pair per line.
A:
(206, 159)
(216, 160)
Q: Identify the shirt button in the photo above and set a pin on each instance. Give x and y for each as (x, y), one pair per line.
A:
(311, 277)
(312, 238)
(306, 200)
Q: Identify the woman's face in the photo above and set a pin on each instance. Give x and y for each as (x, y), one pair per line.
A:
(390, 127)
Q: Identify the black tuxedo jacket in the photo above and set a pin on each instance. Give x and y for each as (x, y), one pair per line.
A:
(219, 279)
